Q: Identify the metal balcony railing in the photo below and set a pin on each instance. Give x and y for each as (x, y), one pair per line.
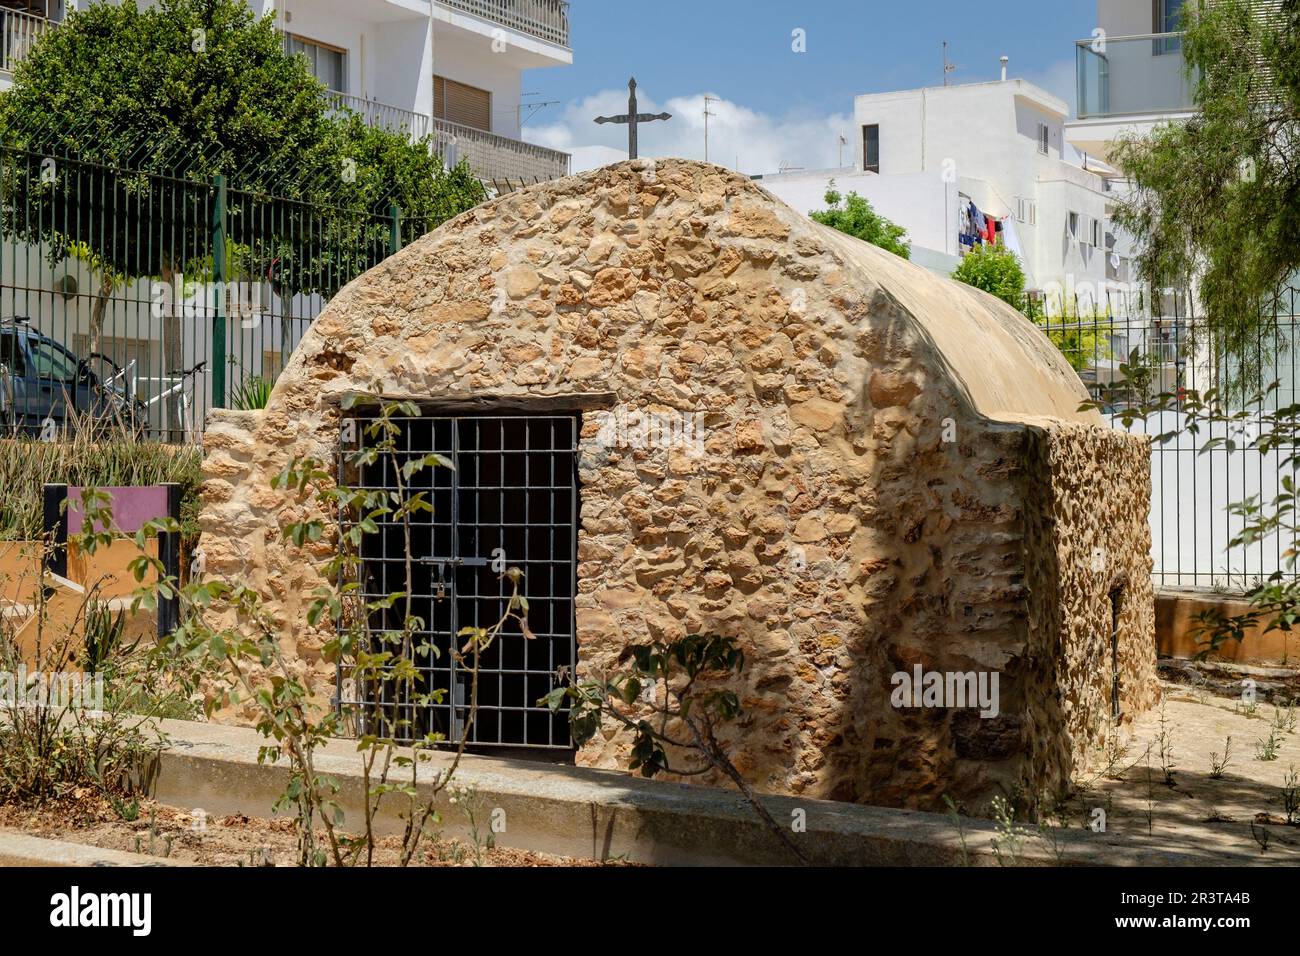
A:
(497, 157)
(1132, 76)
(18, 33)
(545, 19)
(382, 115)
(489, 156)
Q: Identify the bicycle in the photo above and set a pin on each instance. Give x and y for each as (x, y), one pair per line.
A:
(185, 396)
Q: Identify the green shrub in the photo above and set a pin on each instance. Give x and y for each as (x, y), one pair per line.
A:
(996, 270)
(854, 216)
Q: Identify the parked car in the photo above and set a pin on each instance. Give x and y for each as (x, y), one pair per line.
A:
(41, 380)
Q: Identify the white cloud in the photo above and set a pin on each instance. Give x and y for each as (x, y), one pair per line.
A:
(739, 137)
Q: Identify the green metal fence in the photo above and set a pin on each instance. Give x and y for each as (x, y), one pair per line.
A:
(143, 298)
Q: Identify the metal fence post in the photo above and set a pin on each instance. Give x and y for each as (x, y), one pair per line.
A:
(219, 291)
(394, 230)
(54, 528)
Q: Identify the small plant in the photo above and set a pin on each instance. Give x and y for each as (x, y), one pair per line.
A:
(471, 803)
(1267, 748)
(1165, 748)
(128, 810)
(1010, 839)
(104, 632)
(252, 394)
(1261, 835)
(1284, 718)
(1053, 817)
(1116, 751)
(1219, 764)
(160, 844)
(961, 830)
(1151, 800)
(1291, 796)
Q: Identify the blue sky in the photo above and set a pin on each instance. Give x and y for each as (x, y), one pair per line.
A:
(778, 105)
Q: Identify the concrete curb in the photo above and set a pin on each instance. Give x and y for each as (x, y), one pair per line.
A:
(603, 815)
(19, 849)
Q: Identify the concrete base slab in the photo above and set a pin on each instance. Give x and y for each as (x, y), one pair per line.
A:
(19, 849)
(605, 815)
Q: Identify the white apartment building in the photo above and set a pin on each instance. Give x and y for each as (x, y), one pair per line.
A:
(924, 155)
(452, 67)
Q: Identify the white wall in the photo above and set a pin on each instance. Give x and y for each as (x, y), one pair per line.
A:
(1121, 18)
(922, 202)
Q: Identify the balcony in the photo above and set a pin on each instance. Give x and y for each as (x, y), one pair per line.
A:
(491, 157)
(1133, 77)
(544, 19)
(382, 115)
(18, 33)
(494, 157)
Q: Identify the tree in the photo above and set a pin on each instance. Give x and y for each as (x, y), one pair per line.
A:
(856, 217)
(1217, 198)
(995, 269)
(118, 120)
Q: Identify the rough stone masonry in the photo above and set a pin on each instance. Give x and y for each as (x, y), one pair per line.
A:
(888, 470)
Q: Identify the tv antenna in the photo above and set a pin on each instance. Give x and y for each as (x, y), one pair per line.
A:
(707, 100)
(947, 66)
(534, 107)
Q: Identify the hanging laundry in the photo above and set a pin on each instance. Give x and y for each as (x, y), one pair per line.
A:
(978, 225)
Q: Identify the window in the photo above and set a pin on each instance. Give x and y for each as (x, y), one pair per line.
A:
(11, 353)
(1072, 225)
(49, 361)
(1095, 238)
(460, 103)
(1166, 17)
(327, 63)
(1044, 138)
(1026, 211)
(871, 148)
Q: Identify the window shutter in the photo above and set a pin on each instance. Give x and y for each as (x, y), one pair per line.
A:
(461, 103)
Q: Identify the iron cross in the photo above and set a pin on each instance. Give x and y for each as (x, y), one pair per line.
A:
(631, 118)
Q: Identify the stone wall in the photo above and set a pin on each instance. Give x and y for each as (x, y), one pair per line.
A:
(891, 471)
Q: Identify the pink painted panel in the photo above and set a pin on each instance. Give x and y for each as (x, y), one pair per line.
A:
(131, 507)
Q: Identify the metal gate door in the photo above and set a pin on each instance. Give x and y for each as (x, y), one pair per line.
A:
(512, 501)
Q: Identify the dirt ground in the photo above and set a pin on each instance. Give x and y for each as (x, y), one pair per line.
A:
(89, 819)
(1166, 781)
(1241, 807)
